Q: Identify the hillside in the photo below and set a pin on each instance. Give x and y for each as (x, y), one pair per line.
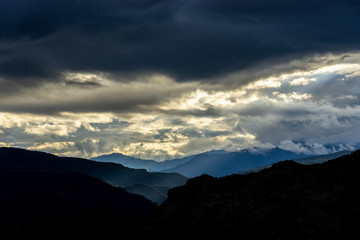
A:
(322, 158)
(18, 159)
(286, 201)
(65, 206)
(306, 160)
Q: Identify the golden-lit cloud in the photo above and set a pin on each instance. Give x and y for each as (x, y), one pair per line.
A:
(271, 82)
(302, 81)
(156, 117)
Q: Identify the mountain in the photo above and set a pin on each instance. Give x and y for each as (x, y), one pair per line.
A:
(115, 174)
(286, 201)
(216, 163)
(67, 206)
(219, 163)
(322, 158)
(306, 160)
(149, 165)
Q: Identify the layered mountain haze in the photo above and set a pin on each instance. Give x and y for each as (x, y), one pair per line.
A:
(218, 163)
(114, 174)
(149, 165)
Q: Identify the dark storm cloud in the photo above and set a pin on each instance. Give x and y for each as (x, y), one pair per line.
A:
(86, 105)
(185, 39)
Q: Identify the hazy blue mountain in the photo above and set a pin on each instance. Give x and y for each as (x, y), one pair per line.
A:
(137, 163)
(115, 174)
(216, 163)
(220, 163)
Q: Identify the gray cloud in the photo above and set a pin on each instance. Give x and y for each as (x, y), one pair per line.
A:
(184, 39)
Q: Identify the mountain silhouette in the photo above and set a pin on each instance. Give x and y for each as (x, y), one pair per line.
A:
(64, 206)
(286, 201)
(305, 160)
(19, 159)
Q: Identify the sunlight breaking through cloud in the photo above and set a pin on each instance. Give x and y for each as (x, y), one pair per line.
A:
(156, 117)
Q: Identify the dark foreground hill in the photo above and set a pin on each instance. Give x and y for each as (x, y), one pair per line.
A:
(286, 201)
(67, 206)
(19, 159)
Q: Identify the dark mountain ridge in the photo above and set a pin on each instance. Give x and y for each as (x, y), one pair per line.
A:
(286, 201)
(64, 206)
(305, 160)
(115, 174)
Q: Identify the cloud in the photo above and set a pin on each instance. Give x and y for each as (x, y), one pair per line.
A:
(293, 147)
(314, 148)
(302, 81)
(187, 40)
(61, 148)
(346, 147)
(163, 79)
(4, 144)
(138, 118)
(112, 96)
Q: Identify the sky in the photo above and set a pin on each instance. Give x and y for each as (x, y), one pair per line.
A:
(164, 79)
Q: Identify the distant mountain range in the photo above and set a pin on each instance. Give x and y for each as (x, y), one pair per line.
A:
(152, 185)
(214, 163)
(220, 163)
(286, 201)
(137, 163)
(115, 174)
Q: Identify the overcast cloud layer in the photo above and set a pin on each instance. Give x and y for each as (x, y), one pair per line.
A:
(164, 79)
